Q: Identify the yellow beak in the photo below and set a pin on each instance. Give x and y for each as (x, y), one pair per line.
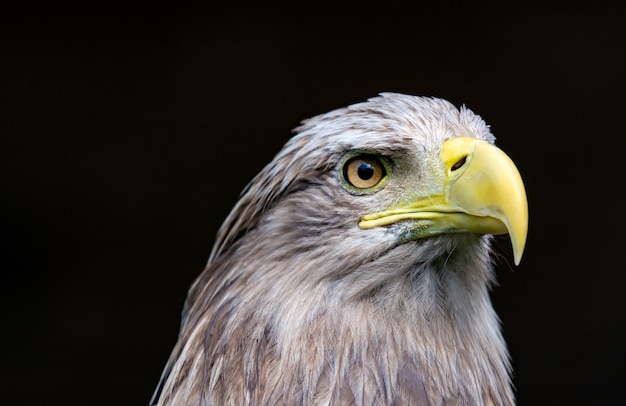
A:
(482, 192)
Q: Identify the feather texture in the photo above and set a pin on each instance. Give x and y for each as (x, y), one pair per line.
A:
(299, 306)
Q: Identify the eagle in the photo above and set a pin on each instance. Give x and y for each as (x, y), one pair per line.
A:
(356, 268)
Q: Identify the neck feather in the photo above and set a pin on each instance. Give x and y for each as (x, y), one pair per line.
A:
(389, 331)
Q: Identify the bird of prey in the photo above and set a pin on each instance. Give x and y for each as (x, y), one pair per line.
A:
(356, 268)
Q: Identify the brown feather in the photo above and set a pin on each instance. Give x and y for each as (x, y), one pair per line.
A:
(298, 306)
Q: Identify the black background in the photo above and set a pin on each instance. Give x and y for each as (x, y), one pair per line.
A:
(127, 134)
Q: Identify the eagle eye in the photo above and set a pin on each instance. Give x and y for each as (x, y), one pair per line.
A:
(363, 171)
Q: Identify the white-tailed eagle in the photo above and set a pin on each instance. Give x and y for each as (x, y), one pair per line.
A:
(355, 269)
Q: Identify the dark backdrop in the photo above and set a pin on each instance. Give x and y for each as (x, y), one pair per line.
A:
(127, 134)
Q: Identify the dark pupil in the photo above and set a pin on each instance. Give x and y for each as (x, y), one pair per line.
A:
(365, 171)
